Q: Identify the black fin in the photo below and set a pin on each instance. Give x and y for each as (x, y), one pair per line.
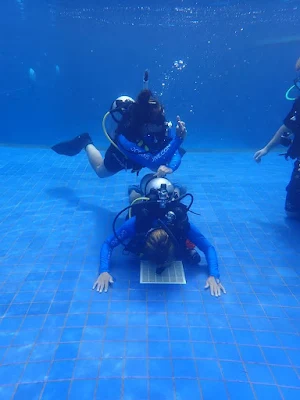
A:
(74, 146)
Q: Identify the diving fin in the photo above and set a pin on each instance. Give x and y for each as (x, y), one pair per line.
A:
(74, 146)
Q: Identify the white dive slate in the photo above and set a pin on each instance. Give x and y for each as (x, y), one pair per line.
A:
(173, 274)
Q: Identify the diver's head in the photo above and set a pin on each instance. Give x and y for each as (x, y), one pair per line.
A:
(159, 247)
(150, 121)
(149, 107)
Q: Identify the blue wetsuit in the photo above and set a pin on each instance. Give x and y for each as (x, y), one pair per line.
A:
(128, 231)
(168, 156)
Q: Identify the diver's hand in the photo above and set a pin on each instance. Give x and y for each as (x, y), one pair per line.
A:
(103, 282)
(162, 171)
(180, 128)
(259, 154)
(298, 64)
(215, 286)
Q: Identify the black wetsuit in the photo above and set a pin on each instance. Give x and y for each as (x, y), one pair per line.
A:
(292, 122)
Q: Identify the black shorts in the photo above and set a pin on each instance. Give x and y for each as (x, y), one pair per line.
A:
(115, 161)
(292, 202)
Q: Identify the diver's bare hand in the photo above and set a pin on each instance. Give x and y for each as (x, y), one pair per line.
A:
(103, 282)
(216, 288)
(298, 64)
(259, 154)
(162, 171)
(180, 128)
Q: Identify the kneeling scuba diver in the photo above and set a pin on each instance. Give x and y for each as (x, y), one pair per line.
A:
(158, 229)
(142, 138)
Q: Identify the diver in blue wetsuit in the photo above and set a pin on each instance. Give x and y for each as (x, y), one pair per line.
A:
(143, 138)
(157, 230)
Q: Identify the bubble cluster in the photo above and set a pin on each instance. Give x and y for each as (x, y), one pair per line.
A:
(179, 65)
(171, 74)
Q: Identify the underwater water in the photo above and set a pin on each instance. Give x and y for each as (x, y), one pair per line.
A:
(224, 67)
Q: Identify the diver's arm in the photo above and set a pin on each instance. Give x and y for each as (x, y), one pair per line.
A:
(272, 143)
(170, 167)
(196, 237)
(175, 161)
(276, 138)
(126, 231)
(146, 159)
(289, 123)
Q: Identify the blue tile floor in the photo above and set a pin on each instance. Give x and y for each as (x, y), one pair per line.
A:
(61, 340)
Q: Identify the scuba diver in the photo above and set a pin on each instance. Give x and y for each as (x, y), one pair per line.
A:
(158, 229)
(143, 138)
(288, 135)
(139, 192)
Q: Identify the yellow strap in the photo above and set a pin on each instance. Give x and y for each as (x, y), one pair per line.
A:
(135, 200)
(108, 136)
(141, 144)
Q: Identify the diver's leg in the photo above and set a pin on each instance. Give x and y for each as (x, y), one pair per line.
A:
(84, 141)
(134, 192)
(191, 255)
(133, 195)
(292, 201)
(97, 162)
